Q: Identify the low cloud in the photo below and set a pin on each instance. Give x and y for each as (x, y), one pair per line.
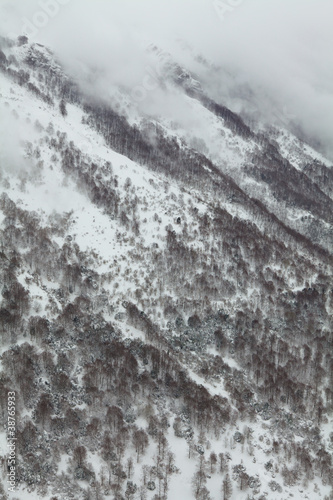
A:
(11, 157)
(269, 60)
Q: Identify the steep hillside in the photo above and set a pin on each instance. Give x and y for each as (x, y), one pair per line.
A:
(166, 296)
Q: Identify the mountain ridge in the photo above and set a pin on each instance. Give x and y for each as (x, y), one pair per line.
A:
(153, 305)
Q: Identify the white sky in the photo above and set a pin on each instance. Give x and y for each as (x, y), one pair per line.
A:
(274, 54)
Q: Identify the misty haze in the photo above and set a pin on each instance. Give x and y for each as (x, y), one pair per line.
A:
(166, 210)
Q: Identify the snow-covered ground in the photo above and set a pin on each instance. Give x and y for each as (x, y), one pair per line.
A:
(123, 263)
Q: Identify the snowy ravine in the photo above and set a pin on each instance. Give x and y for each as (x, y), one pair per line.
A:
(166, 295)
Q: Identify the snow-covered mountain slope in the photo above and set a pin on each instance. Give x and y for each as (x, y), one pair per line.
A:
(166, 309)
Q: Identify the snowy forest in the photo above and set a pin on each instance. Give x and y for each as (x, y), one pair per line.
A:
(166, 298)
